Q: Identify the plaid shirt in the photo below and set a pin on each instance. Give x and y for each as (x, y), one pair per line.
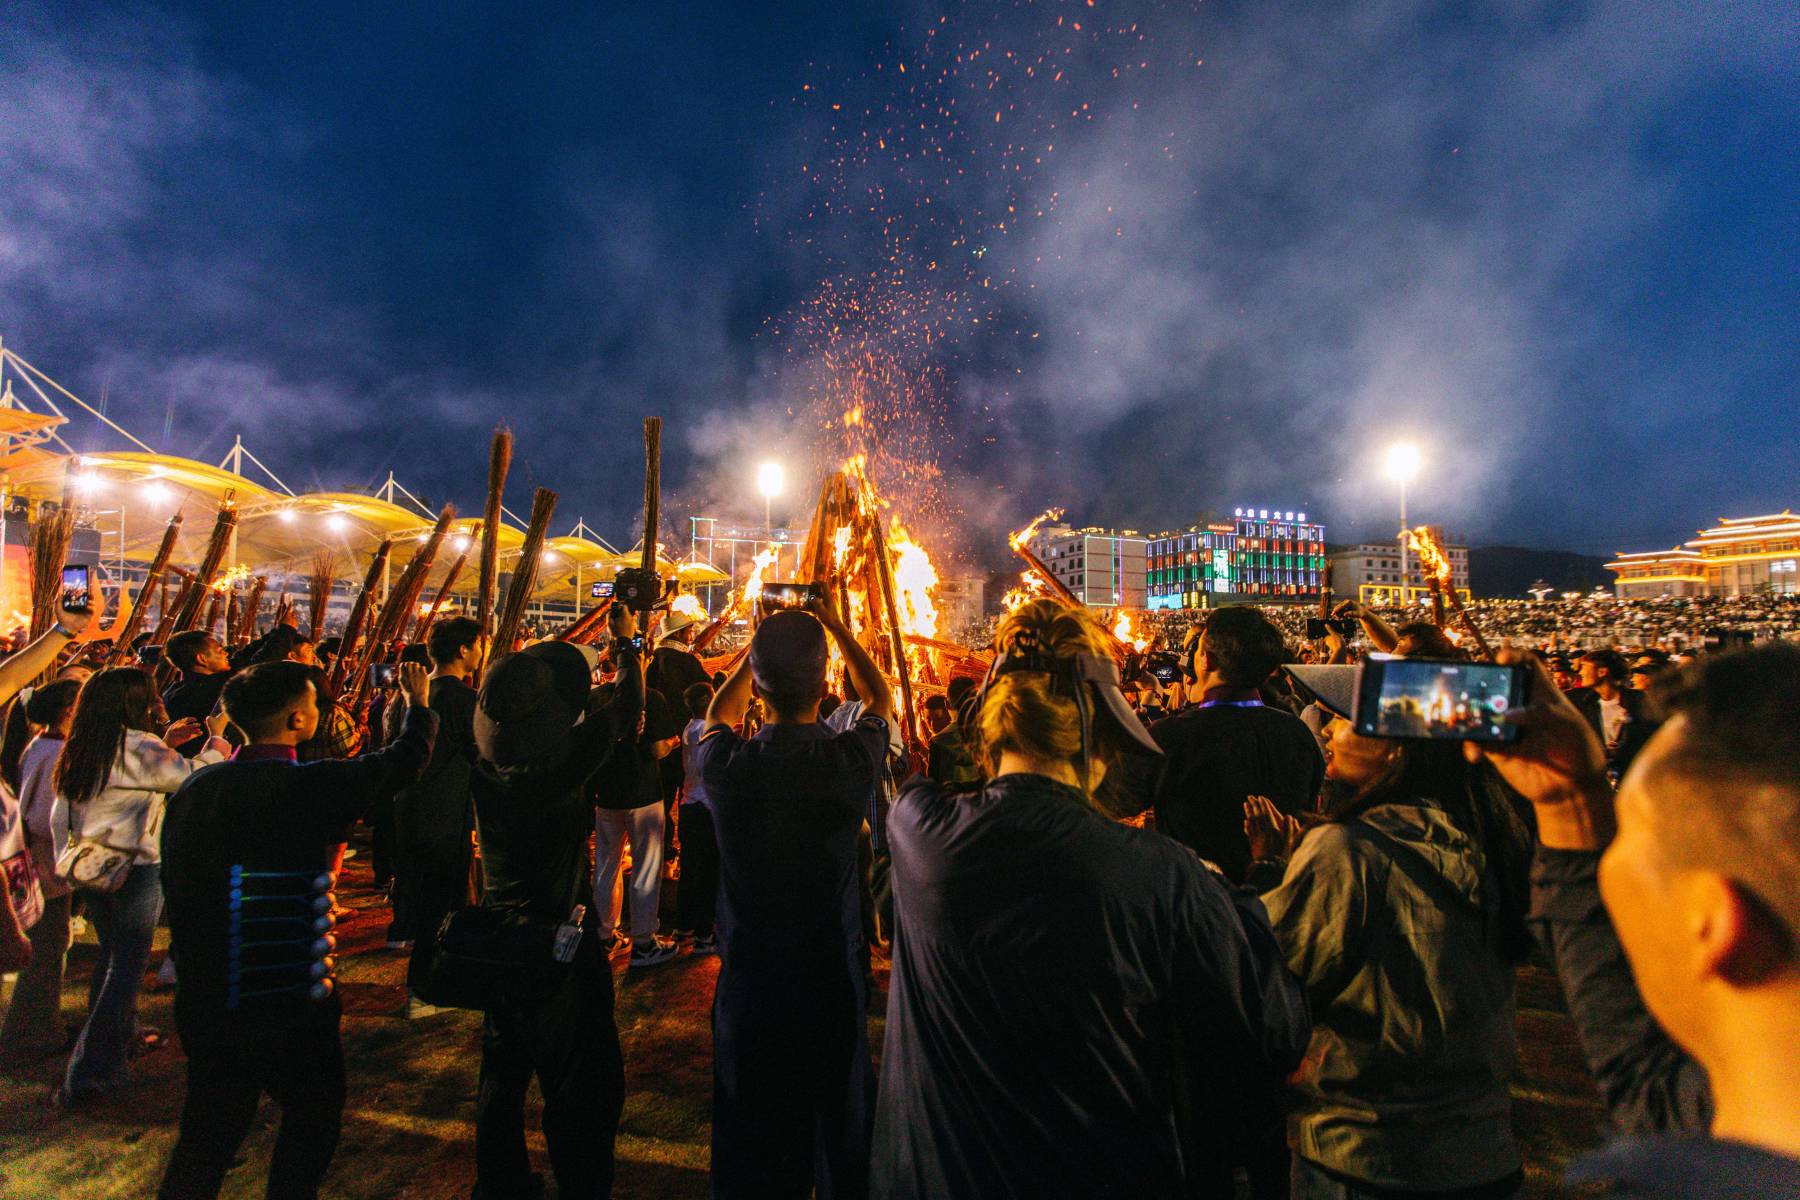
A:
(338, 736)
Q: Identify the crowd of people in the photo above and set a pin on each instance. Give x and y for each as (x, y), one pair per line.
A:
(1185, 933)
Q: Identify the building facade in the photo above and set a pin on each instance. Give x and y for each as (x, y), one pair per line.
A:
(960, 603)
(1262, 555)
(1370, 571)
(1104, 568)
(1740, 556)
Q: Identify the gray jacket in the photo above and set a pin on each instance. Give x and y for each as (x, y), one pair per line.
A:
(1391, 924)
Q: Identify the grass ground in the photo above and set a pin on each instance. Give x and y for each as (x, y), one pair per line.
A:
(407, 1126)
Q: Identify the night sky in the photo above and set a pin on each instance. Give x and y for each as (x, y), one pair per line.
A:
(1139, 260)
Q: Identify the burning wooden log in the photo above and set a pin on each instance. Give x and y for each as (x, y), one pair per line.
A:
(884, 575)
(524, 576)
(359, 612)
(1021, 545)
(1437, 565)
(153, 577)
(426, 621)
(499, 462)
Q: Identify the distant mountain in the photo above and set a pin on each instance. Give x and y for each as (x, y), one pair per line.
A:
(1508, 571)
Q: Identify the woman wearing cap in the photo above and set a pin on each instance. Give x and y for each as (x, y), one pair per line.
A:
(1403, 914)
(1065, 989)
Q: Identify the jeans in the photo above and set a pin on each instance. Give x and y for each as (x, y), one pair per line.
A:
(571, 1044)
(644, 826)
(1313, 1182)
(125, 921)
(34, 1018)
(697, 896)
(301, 1069)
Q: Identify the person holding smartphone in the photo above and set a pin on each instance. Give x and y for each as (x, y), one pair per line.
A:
(1403, 915)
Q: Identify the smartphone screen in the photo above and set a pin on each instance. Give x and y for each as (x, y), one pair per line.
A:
(601, 590)
(75, 585)
(1438, 699)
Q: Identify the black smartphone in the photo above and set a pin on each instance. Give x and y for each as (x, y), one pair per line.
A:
(1438, 699)
(1318, 628)
(77, 582)
(1164, 668)
(601, 590)
(382, 674)
(636, 642)
(788, 595)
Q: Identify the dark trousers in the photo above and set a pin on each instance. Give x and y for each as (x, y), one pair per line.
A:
(301, 1070)
(425, 892)
(697, 896)
(793, 1088)
(571, 1044)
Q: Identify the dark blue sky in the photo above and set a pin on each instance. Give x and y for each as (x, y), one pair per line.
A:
(1138, 259)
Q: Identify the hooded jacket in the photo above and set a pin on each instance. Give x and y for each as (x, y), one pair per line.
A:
(1391, 923)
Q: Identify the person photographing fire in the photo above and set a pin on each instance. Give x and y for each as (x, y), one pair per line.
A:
(792, 1080)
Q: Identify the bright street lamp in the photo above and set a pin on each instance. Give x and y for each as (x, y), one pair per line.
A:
(770, 479)
(1402, 466)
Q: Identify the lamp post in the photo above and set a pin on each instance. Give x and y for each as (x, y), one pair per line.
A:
(770, 479)
(1402, 466)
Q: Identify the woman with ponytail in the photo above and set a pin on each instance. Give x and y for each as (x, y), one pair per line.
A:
(1065, 988)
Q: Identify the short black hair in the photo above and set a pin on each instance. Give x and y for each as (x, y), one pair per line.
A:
(1430, 640)
(1610, 661)
(449, 638)
(257, 698)
(184, 648)
(937, 700)
(960, 688)
(415, 652)
(697, 696)
(1245, 647)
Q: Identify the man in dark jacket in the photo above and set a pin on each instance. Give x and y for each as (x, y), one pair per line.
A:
(951, 759)
(1615, 710)
(1674, 920)
(206, 666)
(1228, 745)
(535, 820)
(434, 819)
(246, 852)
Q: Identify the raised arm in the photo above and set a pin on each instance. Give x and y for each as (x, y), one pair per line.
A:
(1649, 1083)
(732, 699)
(865, 676)
(36, 658)
(1381, 634)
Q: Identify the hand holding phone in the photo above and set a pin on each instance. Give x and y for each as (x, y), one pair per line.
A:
(1439, 699)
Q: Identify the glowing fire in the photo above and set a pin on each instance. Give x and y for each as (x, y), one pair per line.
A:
(759, 566)
(1122, 630)
(914, 579)
(231, 578)
(1032, 586)
(840, 548)
(1431, 555)
(688, 605)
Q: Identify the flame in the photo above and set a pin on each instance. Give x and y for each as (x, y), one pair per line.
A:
(231, 578)
(1431, 554)
(914, 579)
(759, 566)
(840, 548)
(1021, 538)
(688, 605)
(1122, 630)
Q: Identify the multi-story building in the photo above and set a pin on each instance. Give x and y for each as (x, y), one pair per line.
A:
(1102, 567)
(1739, 556)
(1258, 554)
(960, 602)
(1370, 571)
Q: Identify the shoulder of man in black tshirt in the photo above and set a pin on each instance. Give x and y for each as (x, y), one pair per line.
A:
(1215, 757)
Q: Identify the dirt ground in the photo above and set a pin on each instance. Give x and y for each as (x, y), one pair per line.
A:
(407, 1125)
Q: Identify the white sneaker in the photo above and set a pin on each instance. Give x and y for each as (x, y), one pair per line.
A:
(650, 953)
(417, 1008)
